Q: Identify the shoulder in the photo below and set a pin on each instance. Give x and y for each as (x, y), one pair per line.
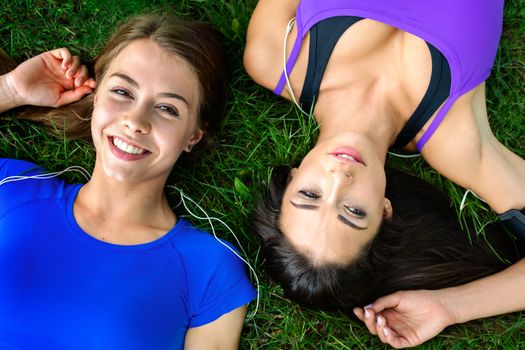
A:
(265, 38)
(15, 167)
(18, 184)
(457, 147)
(216, 276)
(201, 250)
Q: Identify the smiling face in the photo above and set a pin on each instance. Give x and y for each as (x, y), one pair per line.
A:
(334, 203)
(145, 113)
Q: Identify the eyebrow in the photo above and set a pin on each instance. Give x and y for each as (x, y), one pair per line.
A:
(304, 206)
(350, 223)
(162, 94)
(339, 217)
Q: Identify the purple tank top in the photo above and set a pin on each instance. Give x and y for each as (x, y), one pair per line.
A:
(466, 32)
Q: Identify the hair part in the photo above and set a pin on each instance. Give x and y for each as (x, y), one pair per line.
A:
(421, 246)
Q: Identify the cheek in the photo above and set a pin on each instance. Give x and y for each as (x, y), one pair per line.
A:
(104, 114)
(169, 139)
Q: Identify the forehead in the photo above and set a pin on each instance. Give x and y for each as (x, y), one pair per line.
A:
(320, 235)
(155, 67)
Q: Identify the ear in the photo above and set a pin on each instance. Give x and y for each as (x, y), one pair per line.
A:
(388, 211)
(195, 138)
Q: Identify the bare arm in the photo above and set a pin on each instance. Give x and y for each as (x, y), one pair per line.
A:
(409, 318)
(221, 334)
(264, 40)
(53, 79)
(464, 150)
(8, 97)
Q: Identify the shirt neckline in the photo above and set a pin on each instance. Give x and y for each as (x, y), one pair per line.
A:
(79, 232)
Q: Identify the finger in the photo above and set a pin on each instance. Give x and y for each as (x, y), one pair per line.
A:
(73, 67)
(91, 83)
(360, 313)
(81, 76)
(71, 96)
(370, 320)
(383, 332)
(64, 55)
(381, 329)
(386, 302)
(389, 336)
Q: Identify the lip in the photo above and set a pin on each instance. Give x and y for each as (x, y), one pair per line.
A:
(123, 155)
(342, 153)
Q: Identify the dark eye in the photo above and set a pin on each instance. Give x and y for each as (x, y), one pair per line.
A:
(309, 194)
(121, 92)
(355, 212)
(169, 110)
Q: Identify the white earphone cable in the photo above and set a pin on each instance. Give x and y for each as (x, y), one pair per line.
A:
(183, 196)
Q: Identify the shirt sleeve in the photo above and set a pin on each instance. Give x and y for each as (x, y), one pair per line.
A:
(217, 281)
(11, 192)
(14, 167)
(16, 188)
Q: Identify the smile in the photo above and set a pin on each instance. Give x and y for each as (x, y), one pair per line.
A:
(348, 154)
(125, 147)
(125, 151)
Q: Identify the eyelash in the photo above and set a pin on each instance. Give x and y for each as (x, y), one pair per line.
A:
(172, 111)
(309, 194)
(121, 92)
(355, 212)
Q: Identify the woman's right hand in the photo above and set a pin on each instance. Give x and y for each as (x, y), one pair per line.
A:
(52, 79)
(407, 318)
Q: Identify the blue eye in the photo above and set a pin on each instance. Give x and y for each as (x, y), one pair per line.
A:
(309, 194)
(169, 110)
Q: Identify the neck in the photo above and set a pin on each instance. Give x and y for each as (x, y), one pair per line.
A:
(108, 205)
(363, 112)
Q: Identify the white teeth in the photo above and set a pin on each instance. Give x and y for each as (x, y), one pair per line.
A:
(123, 146)
(347, 157)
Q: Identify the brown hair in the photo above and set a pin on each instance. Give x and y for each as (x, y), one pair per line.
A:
(194, 42)
(421, 246)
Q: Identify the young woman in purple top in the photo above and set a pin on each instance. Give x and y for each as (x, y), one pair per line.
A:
(381, 74)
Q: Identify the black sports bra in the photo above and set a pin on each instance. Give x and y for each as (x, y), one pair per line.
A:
(323, 38)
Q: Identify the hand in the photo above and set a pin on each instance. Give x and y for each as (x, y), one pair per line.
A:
(52, 79)
(407, 318)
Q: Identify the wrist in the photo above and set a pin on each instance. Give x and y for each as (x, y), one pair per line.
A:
(459, 305)
(9, 97)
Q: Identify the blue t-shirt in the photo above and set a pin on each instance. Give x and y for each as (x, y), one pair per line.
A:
(61, 288)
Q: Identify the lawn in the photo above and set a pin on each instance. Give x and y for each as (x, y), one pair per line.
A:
(260, 130)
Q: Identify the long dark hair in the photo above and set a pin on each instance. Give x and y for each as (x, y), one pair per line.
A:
(195, 42)
(422, 246)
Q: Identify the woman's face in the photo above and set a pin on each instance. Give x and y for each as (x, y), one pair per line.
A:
(334, 202)
(145, 113)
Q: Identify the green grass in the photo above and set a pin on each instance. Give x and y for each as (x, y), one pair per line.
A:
(260, 130)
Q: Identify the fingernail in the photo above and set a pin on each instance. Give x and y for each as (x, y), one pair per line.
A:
(369, 305)
(385, 332)
(367, 314)
(380, 320)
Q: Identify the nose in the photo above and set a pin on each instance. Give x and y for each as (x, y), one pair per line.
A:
(341, 172)
(137, 121)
